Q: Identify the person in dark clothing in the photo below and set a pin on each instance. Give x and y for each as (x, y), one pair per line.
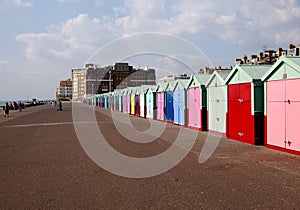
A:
(59, 105)
(6, 110)
(20, 106)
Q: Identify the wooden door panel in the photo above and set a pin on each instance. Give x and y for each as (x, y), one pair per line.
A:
(233, 92)
(293, 90)
(276, 123)
(245, 91)
(246, 122)
(276, 91)
(234, 120)
(292, 126)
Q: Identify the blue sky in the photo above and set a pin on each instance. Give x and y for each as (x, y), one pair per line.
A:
(42, 40)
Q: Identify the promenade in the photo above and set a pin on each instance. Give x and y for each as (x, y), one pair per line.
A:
(43, 166)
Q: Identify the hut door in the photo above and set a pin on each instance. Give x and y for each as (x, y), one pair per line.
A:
(240, 118)
(180, 110)
(234, 111)
(276, 113)
(194, 107)
(292, 102)
(176, 106)
(169, 106)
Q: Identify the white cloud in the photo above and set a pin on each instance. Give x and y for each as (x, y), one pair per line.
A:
(78, 36)
(3, 63)
(246, 23)
(20, 3)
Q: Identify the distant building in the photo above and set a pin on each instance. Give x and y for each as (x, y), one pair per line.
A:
(139, 77)
(93, 79)
(207, 70)
(64, 90)
(77, 84)
(173, 77)
(269, 57)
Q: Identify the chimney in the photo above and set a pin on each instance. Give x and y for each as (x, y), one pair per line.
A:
(245, 59)
(279, 51)
(261, 55)
(253, 56)
(291, 46)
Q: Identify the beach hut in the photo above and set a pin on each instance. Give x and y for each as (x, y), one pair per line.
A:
(143, 108)
(217, 101)
(151, 101)
(282, 110)
(169, 101)
(197, 101)
(160, 101)
(246, 103)
(180, 101)
(137, 101)
(110, 101)
(121, 100)
(125, 101)
(128, 92)
(132, 101)
(116, 100)
(105, 96)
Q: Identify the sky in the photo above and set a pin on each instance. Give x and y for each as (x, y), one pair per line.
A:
(41, 41)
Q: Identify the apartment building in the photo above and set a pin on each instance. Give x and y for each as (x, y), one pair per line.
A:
(64, 90)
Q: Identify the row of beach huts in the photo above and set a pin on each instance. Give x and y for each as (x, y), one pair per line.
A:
(255, 104)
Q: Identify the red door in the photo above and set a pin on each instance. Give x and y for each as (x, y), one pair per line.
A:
(247, 119)
(241, 121)
(233, 111)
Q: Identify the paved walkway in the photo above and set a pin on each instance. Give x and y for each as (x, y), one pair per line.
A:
(44, 166)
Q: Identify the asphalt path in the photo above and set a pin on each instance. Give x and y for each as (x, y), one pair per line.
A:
(44, 166)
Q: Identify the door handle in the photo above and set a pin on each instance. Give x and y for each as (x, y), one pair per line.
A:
(241, 100)
(241, 134)
(288, 101)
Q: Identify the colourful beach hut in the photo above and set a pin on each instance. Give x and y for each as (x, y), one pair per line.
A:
(160, 101)
(169, 101)
(180, 101)
(137, 101)
(132, 101)
(246, 103)
(125, 101)
(143, 92)
(217, 101)
(151, 101)
(282, 110)
(105, 100)
(129, 90)
(110, 101)
(197, 101)
(121, 100)
(116, 100)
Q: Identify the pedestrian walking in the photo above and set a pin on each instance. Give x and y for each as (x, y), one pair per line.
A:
(20, 106)
(6, 110)
(59, 105)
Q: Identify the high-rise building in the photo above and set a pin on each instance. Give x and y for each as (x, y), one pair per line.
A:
(77, 84)
(94, 79)
(64, 90)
